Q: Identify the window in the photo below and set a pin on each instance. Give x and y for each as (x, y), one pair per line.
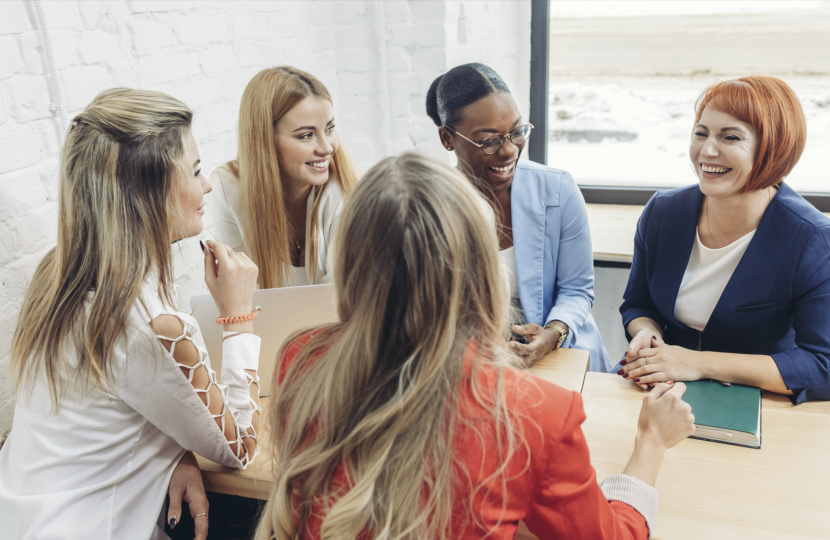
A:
(624, 77)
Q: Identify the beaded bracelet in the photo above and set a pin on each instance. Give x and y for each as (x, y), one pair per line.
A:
(241, 318)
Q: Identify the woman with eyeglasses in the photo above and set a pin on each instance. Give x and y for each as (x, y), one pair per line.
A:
(542, 222)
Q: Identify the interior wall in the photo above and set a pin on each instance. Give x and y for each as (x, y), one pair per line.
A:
(609, 285)
(204, 53)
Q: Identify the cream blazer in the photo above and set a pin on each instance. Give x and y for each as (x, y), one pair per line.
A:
(226, 209)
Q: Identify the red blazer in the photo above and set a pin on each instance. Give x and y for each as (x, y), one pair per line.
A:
(551, 484)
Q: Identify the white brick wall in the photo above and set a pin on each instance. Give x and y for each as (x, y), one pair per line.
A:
(204, 53)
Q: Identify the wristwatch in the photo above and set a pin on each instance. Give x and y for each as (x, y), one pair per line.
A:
(563, 332)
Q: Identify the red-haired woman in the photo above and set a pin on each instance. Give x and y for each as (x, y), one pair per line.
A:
(730, 279)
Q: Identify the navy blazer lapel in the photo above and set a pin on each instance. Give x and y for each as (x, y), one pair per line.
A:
(674, 247)
(527, 207)
(756, 273)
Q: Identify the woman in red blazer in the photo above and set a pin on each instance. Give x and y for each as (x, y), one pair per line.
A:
(408, 419)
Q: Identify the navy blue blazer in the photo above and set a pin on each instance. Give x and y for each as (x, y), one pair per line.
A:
(777, 302)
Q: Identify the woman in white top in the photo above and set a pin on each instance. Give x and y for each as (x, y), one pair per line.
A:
(280, 200)
(113, 383)
(730, 279)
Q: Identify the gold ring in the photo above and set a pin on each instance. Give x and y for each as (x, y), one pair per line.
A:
(204, 515)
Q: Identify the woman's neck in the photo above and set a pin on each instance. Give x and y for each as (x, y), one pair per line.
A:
(727, 219)
(296, 193)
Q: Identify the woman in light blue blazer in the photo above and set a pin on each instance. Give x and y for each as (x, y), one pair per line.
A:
(544, 238)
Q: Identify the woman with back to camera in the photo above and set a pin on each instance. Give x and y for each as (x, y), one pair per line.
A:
(113, 383)
(544, 238)
(730, 278)
(407, 420)
(280, 200)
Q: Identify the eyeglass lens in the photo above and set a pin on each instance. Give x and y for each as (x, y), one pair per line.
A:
(518, 136)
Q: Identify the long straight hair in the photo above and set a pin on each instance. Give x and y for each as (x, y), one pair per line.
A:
(267, 98)
(419, 287)
(117, 210)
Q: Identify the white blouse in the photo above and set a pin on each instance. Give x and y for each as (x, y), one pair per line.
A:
(508, 261)
(100, 467)
(227, 213)
(707, 274)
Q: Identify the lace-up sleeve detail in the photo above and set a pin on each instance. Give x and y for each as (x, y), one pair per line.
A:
(234, 405)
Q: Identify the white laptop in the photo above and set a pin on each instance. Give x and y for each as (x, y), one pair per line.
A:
(284, 311)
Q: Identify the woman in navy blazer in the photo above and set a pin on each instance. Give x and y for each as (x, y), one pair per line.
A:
(542, 217)
(770, 325)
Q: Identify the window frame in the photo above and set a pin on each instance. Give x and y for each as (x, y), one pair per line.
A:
(539, 105)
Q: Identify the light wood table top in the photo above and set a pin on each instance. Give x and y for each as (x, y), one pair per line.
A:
(612, 230)
(712, 490)
(565, 367)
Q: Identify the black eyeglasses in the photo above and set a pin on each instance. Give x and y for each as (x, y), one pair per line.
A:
(491, 145)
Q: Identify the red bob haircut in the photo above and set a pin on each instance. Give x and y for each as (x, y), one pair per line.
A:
(772, 108)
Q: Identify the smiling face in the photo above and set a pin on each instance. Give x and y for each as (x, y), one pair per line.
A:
(192, 190)
(722, 151)
(496, 113)
(306, 141)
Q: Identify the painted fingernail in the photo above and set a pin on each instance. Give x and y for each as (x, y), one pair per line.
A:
(202, 245)
(173, 522)
(620, 372)
(637, 379)
(670, 383)
(623, 362)
(625, 375)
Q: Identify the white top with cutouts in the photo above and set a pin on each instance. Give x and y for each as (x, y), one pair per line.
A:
(100, 467)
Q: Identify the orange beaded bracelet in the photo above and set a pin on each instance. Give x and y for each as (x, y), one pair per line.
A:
(241, 318)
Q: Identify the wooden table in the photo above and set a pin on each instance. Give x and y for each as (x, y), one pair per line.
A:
(712, 490)
(612, 230)
(565, 367)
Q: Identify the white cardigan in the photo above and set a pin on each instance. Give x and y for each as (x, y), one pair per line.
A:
(100, 467)
(227, 216)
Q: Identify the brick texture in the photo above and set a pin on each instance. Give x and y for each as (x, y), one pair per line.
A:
(204, 53)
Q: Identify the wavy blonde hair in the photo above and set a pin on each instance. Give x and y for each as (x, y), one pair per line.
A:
(267, 98)
(120, 167)
(419, 286)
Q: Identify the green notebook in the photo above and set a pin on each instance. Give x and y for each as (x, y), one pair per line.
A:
(725, 414)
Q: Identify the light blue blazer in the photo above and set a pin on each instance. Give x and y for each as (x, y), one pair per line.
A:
(554, 257)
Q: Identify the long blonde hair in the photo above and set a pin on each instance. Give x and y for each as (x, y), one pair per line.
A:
(117, 210)
(267, 98)
(419, 287)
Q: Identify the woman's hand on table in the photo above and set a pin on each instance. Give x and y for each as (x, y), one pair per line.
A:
(541, 341)
(186, 484)
(665, 420)
(660, 363)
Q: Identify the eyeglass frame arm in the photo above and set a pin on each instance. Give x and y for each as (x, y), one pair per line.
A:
(479, 145)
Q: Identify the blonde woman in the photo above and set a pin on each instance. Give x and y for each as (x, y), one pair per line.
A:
(113, 383)
(280, 200)
(407, 420)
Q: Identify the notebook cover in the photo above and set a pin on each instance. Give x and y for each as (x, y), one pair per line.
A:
(733, 407)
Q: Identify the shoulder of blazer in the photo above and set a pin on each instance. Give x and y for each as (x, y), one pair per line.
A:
(544, 183)
(800, 213)
(682, 197)
(800, 210)
(223, 174)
